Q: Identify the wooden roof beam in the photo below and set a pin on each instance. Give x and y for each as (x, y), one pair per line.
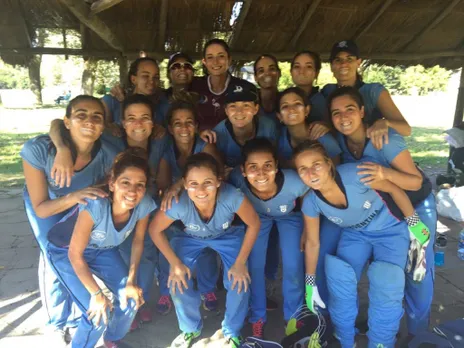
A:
(22, 21)
(366, 26)
(163, 23)
(312, 8)
(249, 56)
(102, 5)
(445, 12)
(240, 21)
(82, 12)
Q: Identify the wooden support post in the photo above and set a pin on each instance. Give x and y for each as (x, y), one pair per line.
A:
(102, 5)
(163, 23)
(122, 70)
(82, 12)
(304, 23)
(239, 24)
(459, 113)
(365, 27)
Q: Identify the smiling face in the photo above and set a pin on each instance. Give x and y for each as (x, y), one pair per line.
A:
(216, 60)
(138, 122)
(304, 70)
(182, 126)
(146, 80)
(202, 186)
(267, 73)
(128, 188)
(86, 121)
(346, 115)
(241, 113)
(260, 169)
(292, 110)
(345, 66)
(181, 72)
(314, 169)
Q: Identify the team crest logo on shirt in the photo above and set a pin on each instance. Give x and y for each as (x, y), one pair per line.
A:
(283, 208)
(98, 235)
(367, 205)
(335, 220)
(193, 227)
(238, 89)
(342, 44)
(215, 103)
(128, 233)
(53, 183)
(225, 225)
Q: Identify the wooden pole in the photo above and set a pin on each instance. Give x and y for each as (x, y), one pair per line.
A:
(459, 113)
(122, 70)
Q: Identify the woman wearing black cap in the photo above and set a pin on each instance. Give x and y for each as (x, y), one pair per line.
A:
(380, 110)
(212, 88)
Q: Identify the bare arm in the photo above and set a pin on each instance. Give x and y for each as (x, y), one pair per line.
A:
(36, 184)
(399, 196)
(79, 241)
(311, 231)
(156, 229)
(247, 213)
(392, 114)
(164, 176)
(137, 249)
(213, 151)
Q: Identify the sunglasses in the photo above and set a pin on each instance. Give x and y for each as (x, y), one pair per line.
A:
(177, 66)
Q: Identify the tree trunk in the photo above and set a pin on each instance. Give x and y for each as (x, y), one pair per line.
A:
(88, 75)
(34, 78)
(34, 67)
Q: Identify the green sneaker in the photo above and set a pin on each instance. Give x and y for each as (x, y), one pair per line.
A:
(235, 342)
(185, 340)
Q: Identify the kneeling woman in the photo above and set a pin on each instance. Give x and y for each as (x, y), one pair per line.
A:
(369, 231)
(85, 243)
(207, 209)
(273, 194)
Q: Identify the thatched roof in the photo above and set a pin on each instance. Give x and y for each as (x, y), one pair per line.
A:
(387, 31)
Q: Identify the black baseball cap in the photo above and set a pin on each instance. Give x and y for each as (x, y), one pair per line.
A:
(240, 92)
(178, 55)
(344, 46)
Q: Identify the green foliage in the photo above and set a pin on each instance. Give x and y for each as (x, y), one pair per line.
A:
(412, 80)
(106, 75)
(12, 77)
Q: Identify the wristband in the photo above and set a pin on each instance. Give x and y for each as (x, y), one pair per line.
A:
(310, 279)
(96, 293)
(413, 219)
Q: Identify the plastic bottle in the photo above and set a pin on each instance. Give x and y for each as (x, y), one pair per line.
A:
(440, 245)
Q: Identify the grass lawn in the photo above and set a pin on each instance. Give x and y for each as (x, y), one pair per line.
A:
(11, 172)
(427, 147)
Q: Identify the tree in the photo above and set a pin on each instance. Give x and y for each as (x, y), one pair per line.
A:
(33, 66)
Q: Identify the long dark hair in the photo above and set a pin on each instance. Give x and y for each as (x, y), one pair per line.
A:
(181, 105)
(315, 57)
(215, 41)
(132, 157)
(202, 159)
(134, 67)
(65, 133)
(258, 144)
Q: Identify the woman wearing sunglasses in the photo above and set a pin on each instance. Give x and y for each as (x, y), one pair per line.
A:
(180, 73)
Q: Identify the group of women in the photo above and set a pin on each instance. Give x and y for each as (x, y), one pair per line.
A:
(215, 169)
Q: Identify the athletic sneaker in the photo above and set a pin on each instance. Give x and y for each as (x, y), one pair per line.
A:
(145, 314)
(258, 328)
(185, 340)
(135, 324)
(57, 338)
(210, 302)
(111, 344)
(235, 342)
(164, 305)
